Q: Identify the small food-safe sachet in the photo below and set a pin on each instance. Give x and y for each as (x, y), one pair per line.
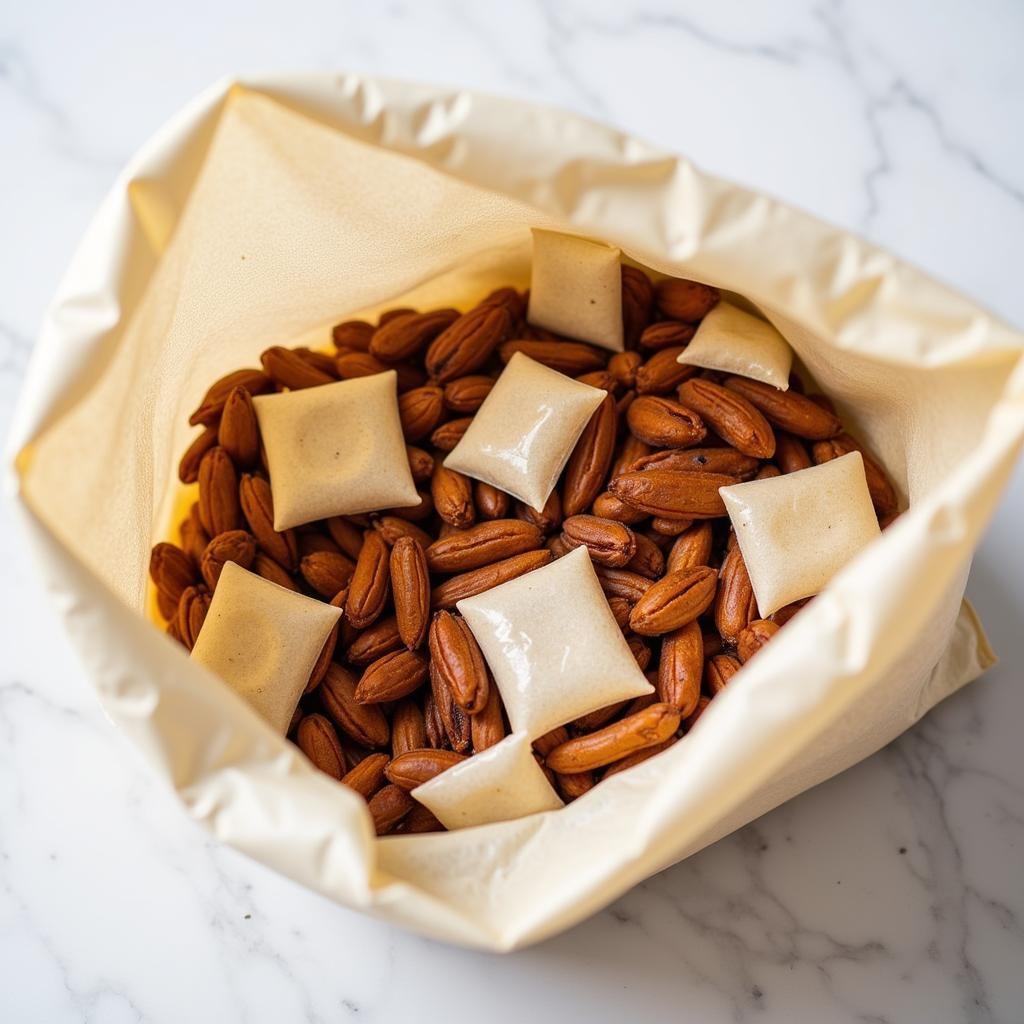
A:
(263, 641)
(525, 431)
(552, 643)
(501, 783)
(730, 340)
(576, 289)
(336, 449)
(798, 530)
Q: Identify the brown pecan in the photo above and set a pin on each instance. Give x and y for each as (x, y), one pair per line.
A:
(569, 357)
(673, 601)
(194, 537)
(630, 452)
(648, 560)
(512, 300)
(417, 513)
(453, 718)
(239, 433)
(663, 423)
(172, 571)
(623, 366)
(608, 542)
(467, 344)
(420, 411)
(602, 716)
(620, 609)
(591, 459)
(368, 589)
(662, 374)
(388, 806)
(637, 303)
(456, 656)
(257, 504)
(453, 496)
(483, 544)
(392, 677)
(883, 495)
(600, 379)
(718, 671)
(188, 468)
(447, 594)
(689, 301)
(354, 334)
(367, 776)
(449, 434)
(418, 821)
(379, 639)
(350, 365)
(673, 494)
(543, 745)
(393, 314)
(265, 566)
(663, 526)
(608, 506)
(317, 739)
(789, 410)
(681, 668)
(256, 382)
(735, 606)
(667, 334)
(415, 767)
(347, 537)
(324, 658)
(489, 501)
(436, 736)
(193, 605)
(754, 637)
(487, 727)
(644, 728)
(622, 583)
(731, 416)
(405, 336)
(410, 587)
(691, 721)
(466, 394)
(327, 572)
(701, 460)
(408, 731)
(421, 463)
(641, 652)
(571, 787)
(218, 493)
(310, 541)
(231, 546)
(318, 360)
(549, 518)
(364, 723)
(637, 757)
(289, 370)
(691, 548)
(791, 453)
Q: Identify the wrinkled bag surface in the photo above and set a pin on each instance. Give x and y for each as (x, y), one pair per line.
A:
(269, 209)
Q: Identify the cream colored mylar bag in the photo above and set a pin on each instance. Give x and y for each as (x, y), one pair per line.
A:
(268, 210)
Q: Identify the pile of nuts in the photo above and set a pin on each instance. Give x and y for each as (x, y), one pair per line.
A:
(401, 691)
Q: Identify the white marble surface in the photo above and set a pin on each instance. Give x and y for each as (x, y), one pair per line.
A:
(892, 893)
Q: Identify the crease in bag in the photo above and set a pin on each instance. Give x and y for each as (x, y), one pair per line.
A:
(263, 213)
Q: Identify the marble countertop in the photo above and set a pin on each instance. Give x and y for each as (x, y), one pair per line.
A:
(895, 892)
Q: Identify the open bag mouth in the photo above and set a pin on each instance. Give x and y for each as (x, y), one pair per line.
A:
(268, 208)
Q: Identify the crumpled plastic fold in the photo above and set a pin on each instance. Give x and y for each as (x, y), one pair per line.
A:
(270, 208)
